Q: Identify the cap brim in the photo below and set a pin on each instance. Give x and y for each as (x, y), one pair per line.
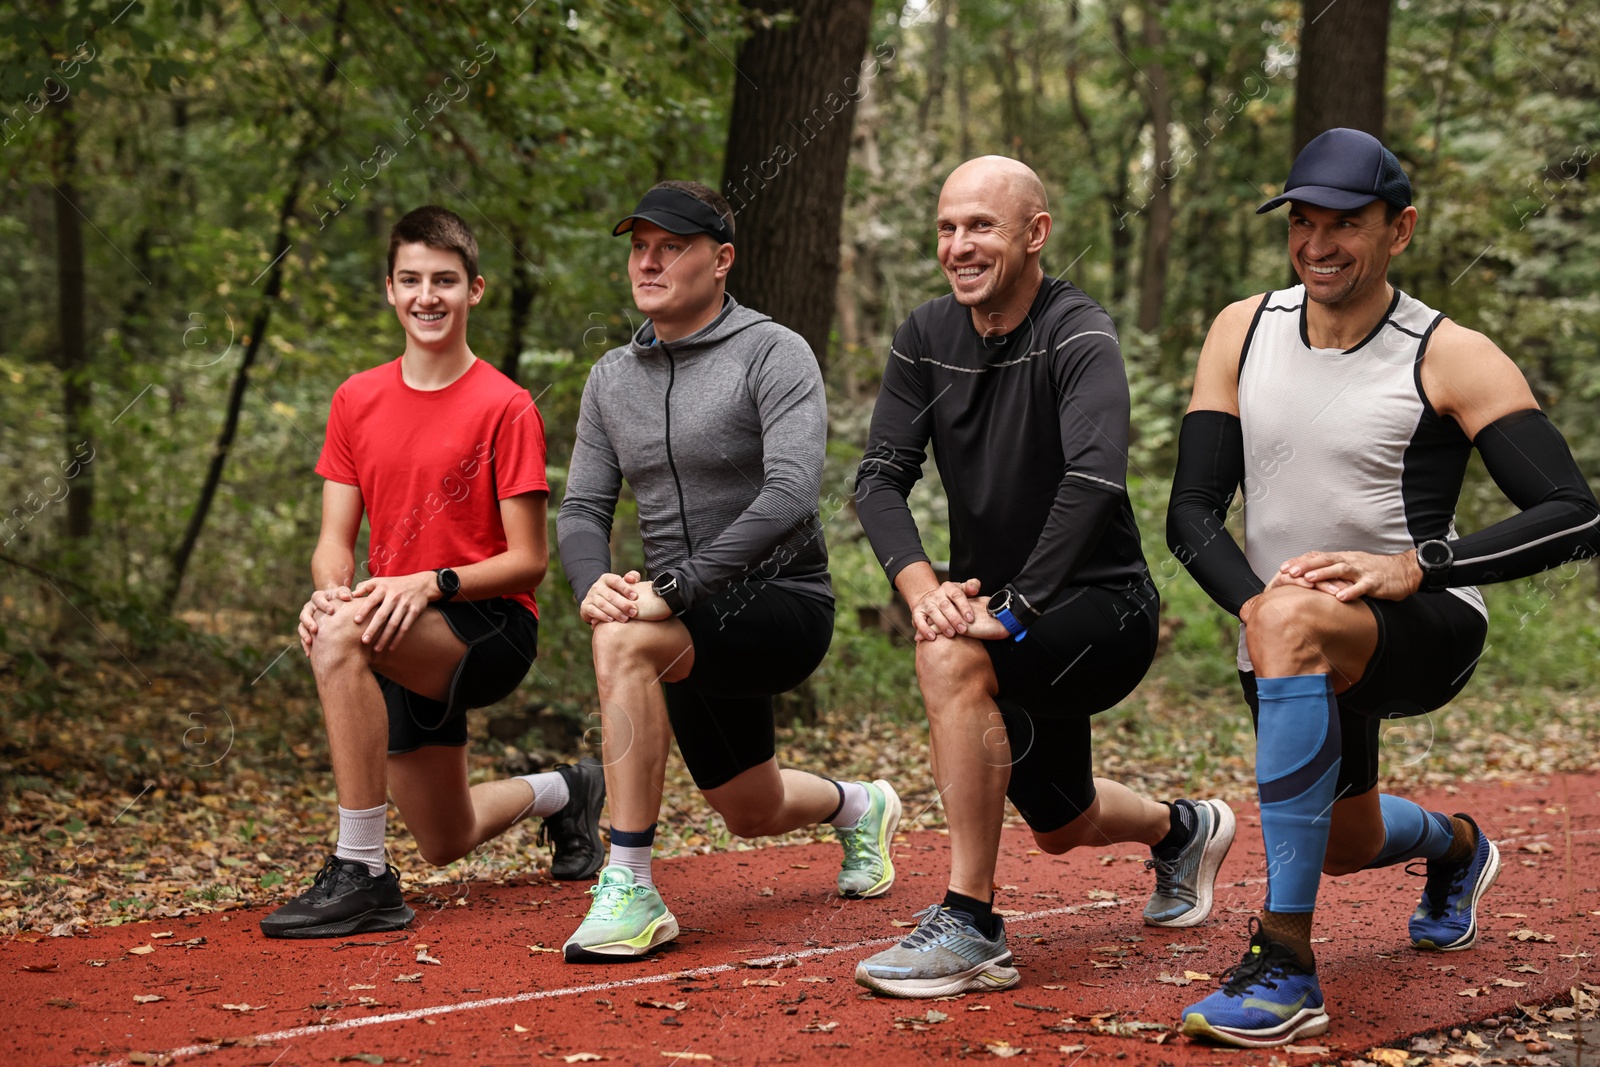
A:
(1320, 196)
(667, 220)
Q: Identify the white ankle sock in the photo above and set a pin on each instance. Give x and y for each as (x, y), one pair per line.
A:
(361, 836)
(550, 793)
(636, 860)
(856, 802)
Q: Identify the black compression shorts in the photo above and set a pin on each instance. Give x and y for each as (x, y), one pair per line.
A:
(1428, 645)
(502, 638)
(1078, 659)
(751, 642)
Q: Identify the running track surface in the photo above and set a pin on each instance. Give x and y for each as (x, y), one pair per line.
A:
(1089, 968)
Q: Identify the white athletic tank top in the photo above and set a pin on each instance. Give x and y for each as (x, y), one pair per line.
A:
(1342, 450)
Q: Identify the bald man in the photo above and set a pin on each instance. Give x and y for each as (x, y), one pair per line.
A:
(1017, 380)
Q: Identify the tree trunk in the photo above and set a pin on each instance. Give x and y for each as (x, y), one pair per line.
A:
(1344, 47)
(258, 331)
(931, 106)
(1158, 207)
(74, 357)
(522, 294)
(788, 147)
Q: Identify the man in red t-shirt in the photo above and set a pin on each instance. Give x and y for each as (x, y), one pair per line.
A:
(445, 455)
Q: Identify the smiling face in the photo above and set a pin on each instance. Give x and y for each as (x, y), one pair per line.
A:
(678, 279)
(1343, 256)
(431, 293)
(992, 226)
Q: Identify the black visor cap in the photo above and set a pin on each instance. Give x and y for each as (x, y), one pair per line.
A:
(677, 212)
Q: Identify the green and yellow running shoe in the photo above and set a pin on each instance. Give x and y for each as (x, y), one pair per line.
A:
(625, 920)
(868, 871)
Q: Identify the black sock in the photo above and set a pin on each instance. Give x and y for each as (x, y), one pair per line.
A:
(981, 911)
(1180, 828)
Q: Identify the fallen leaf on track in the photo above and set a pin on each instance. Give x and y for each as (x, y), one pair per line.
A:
(41, 968)
(762, 981)
(663, 1005)
(409, 977)
(241, 1007)
(150, 1059)
(1530, 935)
(1390, 1057)
(142, 950)
(819, 1028)
(147, 998)
(423, 957)
(686, 1055)
(583, 1057)
(1306, 1050)
(359, 1057)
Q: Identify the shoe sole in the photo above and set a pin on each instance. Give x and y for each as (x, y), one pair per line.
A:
(893, 811)
(660, 932)
(1211, 858)
(1486, 879)
(992, 975)
(370, 922)
(1307, 1022)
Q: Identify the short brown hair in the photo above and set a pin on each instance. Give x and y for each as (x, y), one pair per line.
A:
(436, 227)
(703, 193)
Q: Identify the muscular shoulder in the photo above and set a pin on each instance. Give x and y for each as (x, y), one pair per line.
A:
(1468, 378)
(1216, 375)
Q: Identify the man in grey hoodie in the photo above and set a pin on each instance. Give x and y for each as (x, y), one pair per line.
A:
(716, 417)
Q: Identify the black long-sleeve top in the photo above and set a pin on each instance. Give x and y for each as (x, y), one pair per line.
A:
(1030, 434)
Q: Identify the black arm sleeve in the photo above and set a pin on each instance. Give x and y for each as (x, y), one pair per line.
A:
(1092, 413)
(897, 446)
(1210, 469)
(1529, 460)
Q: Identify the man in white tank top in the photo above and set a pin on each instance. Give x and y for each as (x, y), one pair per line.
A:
(1347, 411)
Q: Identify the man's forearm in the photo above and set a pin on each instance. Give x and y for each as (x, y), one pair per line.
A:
(332, 566)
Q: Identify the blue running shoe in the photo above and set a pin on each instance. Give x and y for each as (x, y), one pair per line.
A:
(1447, 918)
(1186, 876)
(943, 956)
(1267, 1000)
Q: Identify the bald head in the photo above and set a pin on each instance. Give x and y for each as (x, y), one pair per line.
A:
(999, 180)
(992, 227)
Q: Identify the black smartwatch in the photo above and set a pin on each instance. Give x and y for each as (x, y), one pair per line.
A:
(449, 583)
(667, 588)
(1000, 608)
(1435, 559)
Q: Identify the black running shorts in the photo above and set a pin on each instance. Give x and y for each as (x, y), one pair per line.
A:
(751, 642)
(1078, 659)
(1428, 645)
(502, 638)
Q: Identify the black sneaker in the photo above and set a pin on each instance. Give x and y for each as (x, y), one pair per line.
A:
(346, 898)
(573, 833)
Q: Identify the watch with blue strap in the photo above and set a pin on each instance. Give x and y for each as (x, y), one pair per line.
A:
(1000, 608)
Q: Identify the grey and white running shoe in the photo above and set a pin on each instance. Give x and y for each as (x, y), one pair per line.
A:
(1185, 876)
(945, 954)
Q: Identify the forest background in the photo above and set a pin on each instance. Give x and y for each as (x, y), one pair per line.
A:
(198, 196)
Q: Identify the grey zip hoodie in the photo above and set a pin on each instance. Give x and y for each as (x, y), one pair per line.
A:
(721, 434)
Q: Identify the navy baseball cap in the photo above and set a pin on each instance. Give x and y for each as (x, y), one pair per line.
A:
(677, 212)
(1343, 169)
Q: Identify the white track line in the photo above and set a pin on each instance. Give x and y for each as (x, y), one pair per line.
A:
(594, 987)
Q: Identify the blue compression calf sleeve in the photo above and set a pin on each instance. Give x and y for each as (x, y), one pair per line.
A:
(1410, 832)
(1297, 770)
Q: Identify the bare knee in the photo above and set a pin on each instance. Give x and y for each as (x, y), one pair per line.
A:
(337, 644)
(1347, 856)
(953, 671)
(1080, 831)
(1288, 631)
(442, 851)
(747, 823)
(617, 650)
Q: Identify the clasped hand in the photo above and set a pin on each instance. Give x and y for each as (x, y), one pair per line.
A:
(953, 608)
(393, 604)
(621, 597)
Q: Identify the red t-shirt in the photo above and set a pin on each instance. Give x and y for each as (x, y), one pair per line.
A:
(433, 466)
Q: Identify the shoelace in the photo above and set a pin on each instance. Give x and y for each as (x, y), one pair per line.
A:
(615, 897)
(933, 922)
(1257, 968)
(1166, 874)
(1441, 885)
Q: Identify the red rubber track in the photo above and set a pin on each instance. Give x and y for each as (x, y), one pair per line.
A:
(1078, 940)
